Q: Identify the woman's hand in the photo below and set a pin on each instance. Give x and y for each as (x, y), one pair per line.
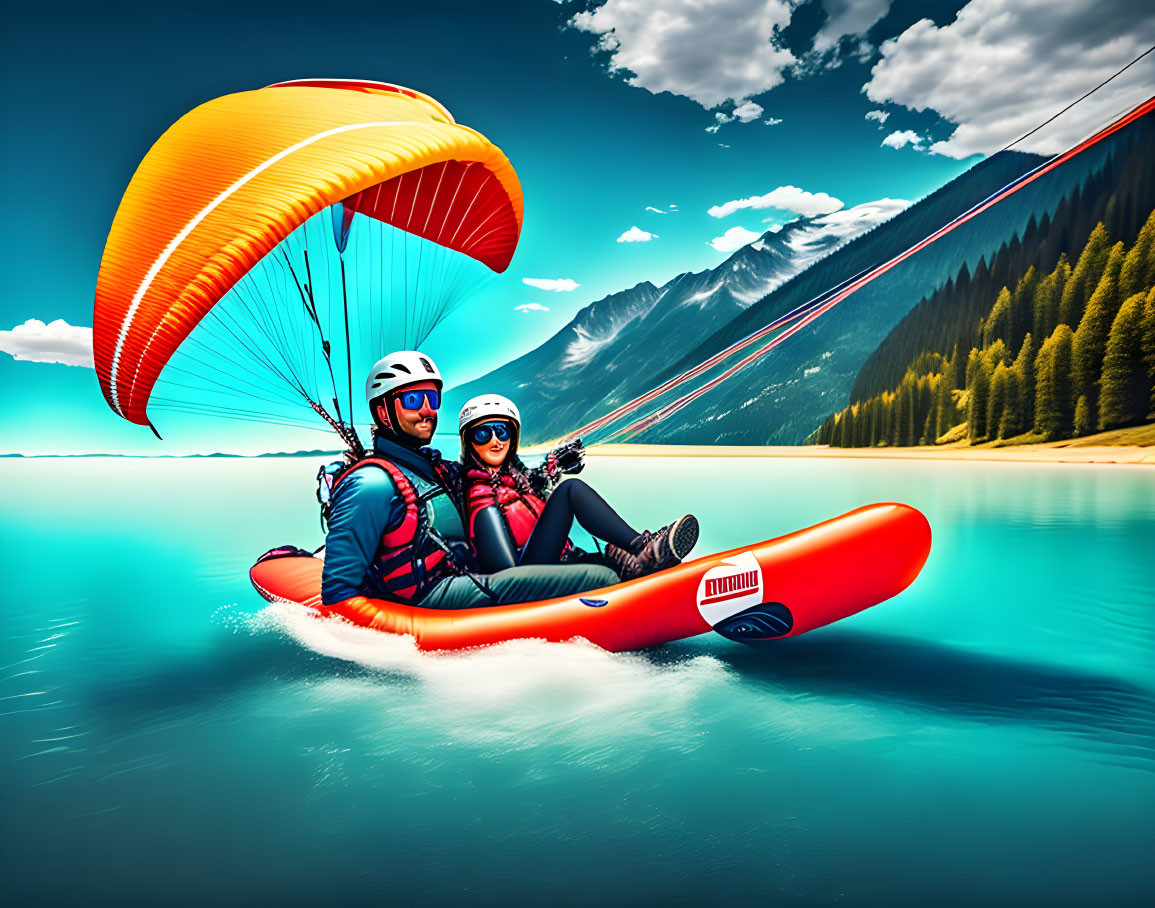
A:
(570, 457)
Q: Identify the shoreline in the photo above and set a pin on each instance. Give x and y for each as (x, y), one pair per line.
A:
(1055, 452)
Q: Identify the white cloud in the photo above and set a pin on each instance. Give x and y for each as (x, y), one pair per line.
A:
(902, 139)
(813, 370)
(637, 235)
(847, 18)
(773, 121)
(710, 51)
(748, 112)
(532, 307)
(558, 285)
(720, 120)
(722, 145)
(786, 198)
(880, 115)
(1004, 66)
(672, 206)
(848, 223)
(656, 210)
(56, 342)
(817, 238)
(734, 238)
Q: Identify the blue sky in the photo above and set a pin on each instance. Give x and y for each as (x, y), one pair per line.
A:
(604, 108)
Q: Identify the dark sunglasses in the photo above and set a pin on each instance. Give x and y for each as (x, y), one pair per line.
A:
(412, 400)
(487, 430)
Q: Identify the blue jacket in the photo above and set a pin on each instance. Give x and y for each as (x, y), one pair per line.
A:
(366, 503)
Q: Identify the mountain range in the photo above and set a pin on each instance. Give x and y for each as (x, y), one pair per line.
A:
(627, 343)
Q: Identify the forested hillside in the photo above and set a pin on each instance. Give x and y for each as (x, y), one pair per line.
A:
(1065, 353)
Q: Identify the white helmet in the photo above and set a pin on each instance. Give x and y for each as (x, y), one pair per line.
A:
(404, 367)
(488, 406)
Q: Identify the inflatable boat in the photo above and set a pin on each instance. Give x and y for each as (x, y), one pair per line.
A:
(778, 588)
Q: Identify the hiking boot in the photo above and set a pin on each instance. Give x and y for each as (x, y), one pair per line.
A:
(668, 546)
(626, 563)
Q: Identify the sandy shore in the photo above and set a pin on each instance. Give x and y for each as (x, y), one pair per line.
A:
(1057, 452)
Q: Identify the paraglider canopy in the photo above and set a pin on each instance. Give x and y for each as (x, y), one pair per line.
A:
(235, 177)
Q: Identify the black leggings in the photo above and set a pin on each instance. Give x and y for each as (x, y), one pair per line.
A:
(573, 499)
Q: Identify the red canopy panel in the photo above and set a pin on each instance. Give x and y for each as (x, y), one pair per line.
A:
(457, 204)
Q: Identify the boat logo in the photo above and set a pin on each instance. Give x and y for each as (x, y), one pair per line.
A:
(730, 587)
(594, 603)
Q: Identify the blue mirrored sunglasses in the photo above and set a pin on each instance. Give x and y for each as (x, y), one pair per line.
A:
(412, 400)
(487, 430)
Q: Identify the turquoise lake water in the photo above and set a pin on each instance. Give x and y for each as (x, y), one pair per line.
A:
(987, 737)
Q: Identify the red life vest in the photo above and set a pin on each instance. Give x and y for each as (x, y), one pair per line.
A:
(519, 507)
(408, 561)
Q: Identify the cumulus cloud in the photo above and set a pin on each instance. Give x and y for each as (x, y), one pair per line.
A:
(880, 115)
(55, 342)
(748, 112)
(773, 121)
(558, 285)
(637, 235)
(532, 307)
(734, 238)
(785, 198)
(902, 139)
(720, 120)
(1003, 66)
(848, 18)
(710, 51)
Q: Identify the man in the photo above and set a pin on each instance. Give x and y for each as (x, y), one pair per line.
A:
(395, 528)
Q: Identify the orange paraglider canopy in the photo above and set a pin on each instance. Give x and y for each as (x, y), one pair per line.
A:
(234, 177)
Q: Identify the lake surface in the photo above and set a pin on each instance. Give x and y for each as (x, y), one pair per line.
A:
(986, 737)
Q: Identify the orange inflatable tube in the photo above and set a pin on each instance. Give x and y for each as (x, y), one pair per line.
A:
(779, 588)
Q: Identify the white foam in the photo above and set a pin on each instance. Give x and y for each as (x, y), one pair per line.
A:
(518, 694)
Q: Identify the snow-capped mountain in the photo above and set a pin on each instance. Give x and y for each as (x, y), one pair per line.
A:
(599, 358)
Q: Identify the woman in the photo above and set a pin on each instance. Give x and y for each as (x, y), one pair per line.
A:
(519, 516)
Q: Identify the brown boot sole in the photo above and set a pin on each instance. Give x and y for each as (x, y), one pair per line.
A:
(684, 536)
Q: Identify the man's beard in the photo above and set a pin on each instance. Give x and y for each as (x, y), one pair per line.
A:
(407, 439)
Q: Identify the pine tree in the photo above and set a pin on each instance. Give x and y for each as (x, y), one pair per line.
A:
(1011, 421)
(1123, 386)
(909, 419)
(1022, 308)
(1137, 275)
(978, 386)
(1054, 410)
(998, 323)
(1090, 342)
(1085, 276)
(904, 413)
(1046, 306)
(957, 373)
(1025, 374)
(1083, 422)
(947, 411)
(1147, 344)
(997, 353)
(997, 399)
